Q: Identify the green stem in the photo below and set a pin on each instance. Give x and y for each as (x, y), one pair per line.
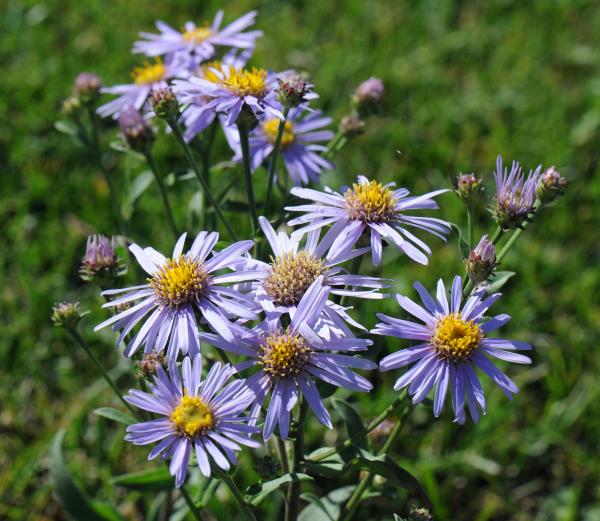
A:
(335, 145)
(282, 455)
(469, 228)
(191, 505)
(79, 339)
(161, 186)
(237, 494)
(273, 164)
(293, 495)
(372, 426)
(196, 168)
(244, 142)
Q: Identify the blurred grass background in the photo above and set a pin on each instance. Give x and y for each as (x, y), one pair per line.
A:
(465, 81)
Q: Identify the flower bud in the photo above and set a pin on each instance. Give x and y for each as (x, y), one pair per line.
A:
(87, 87)
(136, 130)
(482, 260)
(165, 104)
(552, 185)
(467, 186)
(66, 314)
(352, 125)
(100, 260)
(293, 90)
(267, 468)
(368, 95)
(150, 363)
(420, 514)
(71, 106)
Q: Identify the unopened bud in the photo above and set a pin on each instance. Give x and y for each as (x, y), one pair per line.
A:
(368, 95)
(467, 186)
(267, 468)
(552, 185)
(87, 86)
(100, 261)
(352, 125)
(420, 514)
(71, 105)
(165, 104)
(482, 260)
(293, 90)
(136, 130)
(66, 314)
(150, 363)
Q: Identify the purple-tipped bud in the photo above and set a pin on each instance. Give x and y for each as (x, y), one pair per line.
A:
(66, 314)
(267, 468)
(467, 186)
(482, 260)
(552, 185)
(293, 90)
(136, 130)
(150, 363)
(87, 86)
(352, 125)
(165, 104)
(100, 260)
(368, 95)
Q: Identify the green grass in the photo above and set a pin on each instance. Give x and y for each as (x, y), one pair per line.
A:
(465, 81)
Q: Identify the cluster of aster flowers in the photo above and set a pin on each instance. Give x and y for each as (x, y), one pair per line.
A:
(286, 316)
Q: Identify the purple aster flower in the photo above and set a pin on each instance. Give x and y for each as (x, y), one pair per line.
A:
(453, 343)
(230, 89)
(299, 144)
(149, 77)
(100, 259)
(197, 43)
(515, 195)
(206, 416)
(176, 289)
(369, 207)
(283, 282)
(289, 359)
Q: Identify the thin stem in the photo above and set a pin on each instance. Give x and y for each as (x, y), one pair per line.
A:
(509, 244)
(161, 186)
(244, 141)
(469, 227)
(80, 340)
(237, 494)
(196, 168)
(273, 164)
(293, 495)
(282, 455)
(335, 145)
(191, 505)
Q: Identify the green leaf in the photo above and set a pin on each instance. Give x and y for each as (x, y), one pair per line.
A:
(115, 415)
(331, 467)
(326, 508)
(499, 280)
(72, 498)
(152, 479)
(139, 185)
(352, 421)
(68, 128)
(271, 486)
(121, 146)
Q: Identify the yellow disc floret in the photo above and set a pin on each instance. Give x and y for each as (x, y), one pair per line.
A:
(271, 129)
(180, 281)
(192, 417)
(454, 338)
(370, 202)
(245, 82)
(207, 70)
(291, 275)
(284, 355)
(197, 35)
(149, 73)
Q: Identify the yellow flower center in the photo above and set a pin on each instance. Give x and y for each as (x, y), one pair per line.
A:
(245, 82)
(284, 355)
(197, 35)
(192, 417)
(180, 281)
(208, 74)
(370, 202)
(454, 338)
(271, 128)
(291, 275)
(149, 73)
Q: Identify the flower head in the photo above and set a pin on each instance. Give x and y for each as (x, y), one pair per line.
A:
(136, 130)
(165, 104)
(368, 95)
(150, 363)
(294, 89)
(196, 43)
(482, 260)
(467, 186)
(300, 144)
(177, 288)
(100, 259)
(66, 314)
(288, 359)
(374, 209)
(352, 125)
(552, 185)
(201, 415)
(87, 86)
(515, 194)
(453, 342)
